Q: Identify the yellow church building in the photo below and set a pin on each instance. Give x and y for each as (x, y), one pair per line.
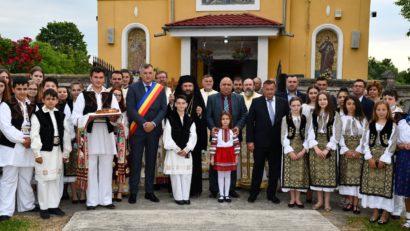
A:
(247, 38)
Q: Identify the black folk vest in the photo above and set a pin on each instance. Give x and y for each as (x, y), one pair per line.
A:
(17, 118)
(47, 129)
(91, 106)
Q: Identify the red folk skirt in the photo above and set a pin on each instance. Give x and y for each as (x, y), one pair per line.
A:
(224, 159)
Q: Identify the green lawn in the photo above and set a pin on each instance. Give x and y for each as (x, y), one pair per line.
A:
(362, 223)
(19, 224)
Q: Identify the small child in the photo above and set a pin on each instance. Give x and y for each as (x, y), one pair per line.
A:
(224, 150)
(179, 140)
(51, 145)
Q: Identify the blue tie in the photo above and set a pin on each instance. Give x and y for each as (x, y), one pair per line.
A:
(226, 104)
(147, 87)
(271, 113)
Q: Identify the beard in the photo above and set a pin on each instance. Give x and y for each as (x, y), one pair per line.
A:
(248, 92)
(188, 95)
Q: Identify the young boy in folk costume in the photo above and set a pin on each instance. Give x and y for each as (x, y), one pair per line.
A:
(224, 150)
(295, 172)
(379, 144)
(16, 157)
(179, 140)
(96, 173)
(51, 143)
(351, 159)
(324, 133)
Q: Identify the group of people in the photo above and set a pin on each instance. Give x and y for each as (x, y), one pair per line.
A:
(356, 143)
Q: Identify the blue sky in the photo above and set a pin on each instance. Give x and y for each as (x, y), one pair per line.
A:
(21, 18)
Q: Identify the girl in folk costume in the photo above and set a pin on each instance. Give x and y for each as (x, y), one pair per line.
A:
(391, 98)
(295, 175)
(70, 168)
(324, 134)
(224, 151)
(379, 144)
(179, 141)
(350, 161)
(402, 171)
(120, 163)
(340, 97)
(309, 106)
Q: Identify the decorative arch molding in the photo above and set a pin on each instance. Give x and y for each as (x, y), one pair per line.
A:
(339, 64)
(124, 42)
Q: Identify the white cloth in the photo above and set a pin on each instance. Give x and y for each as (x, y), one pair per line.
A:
(334, 139)
(307, 110)
(100, 142)
(174, 163)
(399, 205)
(16, 182)
(352, 126)
(224, 182)
(48, 193)
(99, 191)
(206, 94)
(18, 156)
(220, 143)
(168, 93)
(248, 100)
(181, 184)
(349, 190)
(375, 202)
(322, 189)
(403, 136)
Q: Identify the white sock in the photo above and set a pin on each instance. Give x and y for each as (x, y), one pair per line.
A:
(407, 216)
(221, 183)
(227, 182)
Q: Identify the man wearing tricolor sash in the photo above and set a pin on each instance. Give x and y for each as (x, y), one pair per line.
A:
(146, 108)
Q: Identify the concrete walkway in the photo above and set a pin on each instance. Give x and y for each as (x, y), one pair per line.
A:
(180, 220)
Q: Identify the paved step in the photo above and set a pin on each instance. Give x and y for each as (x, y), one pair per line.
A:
(195, 219)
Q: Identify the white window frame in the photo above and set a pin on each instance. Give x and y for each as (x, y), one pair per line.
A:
(339, 64)
(124, 43)
(227, 7)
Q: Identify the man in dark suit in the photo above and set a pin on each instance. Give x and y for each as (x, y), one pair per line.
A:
(263, 139)
(146, 135)
(359, 85)
(292, 84)
(235, 105)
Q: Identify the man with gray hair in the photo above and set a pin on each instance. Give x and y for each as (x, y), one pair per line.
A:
(249, 92)
(258, 84)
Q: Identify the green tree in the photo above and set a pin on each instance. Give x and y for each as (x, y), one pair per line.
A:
(55, 61)
(64, 37)
(405, 10)
(404, 76)
(376, 68)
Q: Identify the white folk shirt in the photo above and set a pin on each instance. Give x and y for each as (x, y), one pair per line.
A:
(52, 165)
(100, 142)
(19, 156)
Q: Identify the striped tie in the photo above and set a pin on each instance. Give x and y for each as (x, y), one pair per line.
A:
(226, 104)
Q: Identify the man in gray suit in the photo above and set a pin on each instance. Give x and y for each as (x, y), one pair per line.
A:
(147, 134)
(235, 105)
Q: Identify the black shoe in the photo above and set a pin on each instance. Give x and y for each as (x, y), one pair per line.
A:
(151, 197)
(35, 209)
(394, 217)
(179, 202)
(233, 194)
(132, 199)
(110, 206)
(4, 218)
(228, 199)
(91, 207)
(82, 201)
(56, 211)
(44, 214)
(117, 199)
(221, 199)
(301, 206)
(274, 199)
(213, 195)
(187, 202)
(252, 198)
(291, 205)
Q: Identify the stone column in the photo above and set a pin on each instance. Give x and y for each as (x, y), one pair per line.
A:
(185, 56)
(263, 50)
(389, 80)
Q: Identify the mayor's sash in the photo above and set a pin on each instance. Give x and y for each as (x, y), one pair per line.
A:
(145, 103)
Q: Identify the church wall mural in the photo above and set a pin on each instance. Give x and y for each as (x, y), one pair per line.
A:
(326, 54)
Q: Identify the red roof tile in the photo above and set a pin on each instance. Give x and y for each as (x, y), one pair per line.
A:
(225, 20)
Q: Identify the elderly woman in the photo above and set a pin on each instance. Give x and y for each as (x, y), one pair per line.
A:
(374, 90)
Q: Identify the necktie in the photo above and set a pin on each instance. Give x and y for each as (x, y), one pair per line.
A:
(147, 87)
(226, 104)
(271, 113)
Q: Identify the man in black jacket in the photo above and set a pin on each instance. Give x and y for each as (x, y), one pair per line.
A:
(359, 85)
(263, 138)
(292, 84)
